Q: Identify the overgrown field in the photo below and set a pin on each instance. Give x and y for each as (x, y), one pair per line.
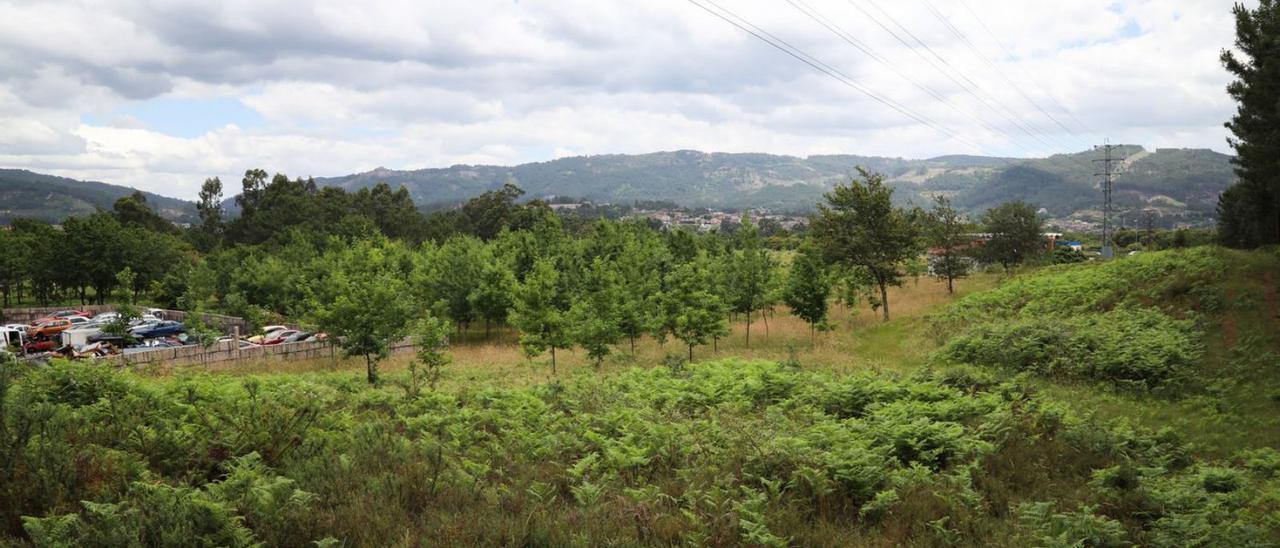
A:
(1072, 406)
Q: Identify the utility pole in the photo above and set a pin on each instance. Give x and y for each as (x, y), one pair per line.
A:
(1107, 161)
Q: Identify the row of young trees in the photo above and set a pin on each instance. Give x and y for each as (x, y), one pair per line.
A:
(356, 265)
(612, 284)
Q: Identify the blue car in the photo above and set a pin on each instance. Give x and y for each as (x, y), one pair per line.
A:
(159, 329)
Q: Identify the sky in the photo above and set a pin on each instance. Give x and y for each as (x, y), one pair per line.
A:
(161, 95)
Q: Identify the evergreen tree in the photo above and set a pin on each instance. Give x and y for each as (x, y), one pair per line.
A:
(208, 235)
(538, 311)
(806, 290)
(1249, 211)
(13, 262)
(860, 227)
(945, 235)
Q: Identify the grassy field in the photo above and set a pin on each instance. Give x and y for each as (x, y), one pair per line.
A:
(859, 341)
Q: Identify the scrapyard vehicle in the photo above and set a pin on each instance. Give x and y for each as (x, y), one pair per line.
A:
(160, 329)
(49, 328)
(280, 337)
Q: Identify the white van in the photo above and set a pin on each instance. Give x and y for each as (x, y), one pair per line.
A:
(11, 336)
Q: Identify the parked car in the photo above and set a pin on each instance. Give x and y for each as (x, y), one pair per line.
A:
(162, 328)
(298, 337)
(42, 345)
(162, 342)
(78, 320)
(61, 314)
(269, 332)
(280, 337)
(49, 328)
(106, 317)
(144, 320)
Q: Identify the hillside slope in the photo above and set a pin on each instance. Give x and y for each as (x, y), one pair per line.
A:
(1183, 184)
(25, 194)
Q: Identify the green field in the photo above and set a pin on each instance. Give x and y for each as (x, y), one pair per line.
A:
(1135, 402)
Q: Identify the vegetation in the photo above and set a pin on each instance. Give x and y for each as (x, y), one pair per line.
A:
(725, 452)
(859, 227)
(1249, 211)
(993, 421)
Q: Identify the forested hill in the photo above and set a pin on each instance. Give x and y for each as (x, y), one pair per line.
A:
(24, 194)
(1181, 182)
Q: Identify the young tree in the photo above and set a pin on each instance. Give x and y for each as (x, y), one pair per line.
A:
(456, 272)
(491, 297)
(1249, 211)
(750, 274)
(696, 314)
(431, 336)
(860, 226)
(639, 267)
(538, 311)
(807, 289)
(593, 319)
(365, 304)
(944, 232)
(1016, 234)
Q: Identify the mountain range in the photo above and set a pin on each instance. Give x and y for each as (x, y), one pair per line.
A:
(1181, 184)
(49, 198)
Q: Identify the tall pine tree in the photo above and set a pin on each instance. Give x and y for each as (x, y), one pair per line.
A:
(1249, 211)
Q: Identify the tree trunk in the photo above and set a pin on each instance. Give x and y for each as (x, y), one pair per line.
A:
(553, 360)
(690, 353)
(950, 290)
(765, 317)
(884, 298)
(371, 373)
(633, 345)
(748, 329)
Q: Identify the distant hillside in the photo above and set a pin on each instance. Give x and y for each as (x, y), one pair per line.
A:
(1182, 183)
(53, 199)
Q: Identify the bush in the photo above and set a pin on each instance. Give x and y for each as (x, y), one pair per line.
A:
(1128, 346)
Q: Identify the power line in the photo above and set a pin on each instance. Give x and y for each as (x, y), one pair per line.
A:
(1030, 77)
(852, 40)
(785, 47)
(970, 87)
(974, 48)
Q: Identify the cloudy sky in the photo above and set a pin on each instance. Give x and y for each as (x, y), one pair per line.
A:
(161, 94)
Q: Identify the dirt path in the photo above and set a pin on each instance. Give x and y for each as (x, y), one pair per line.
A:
(1272, 298)
(1230, 332)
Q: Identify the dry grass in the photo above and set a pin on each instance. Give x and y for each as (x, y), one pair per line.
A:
(859, 341)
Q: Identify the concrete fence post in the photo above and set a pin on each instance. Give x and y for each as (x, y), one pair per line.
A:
(235, 332)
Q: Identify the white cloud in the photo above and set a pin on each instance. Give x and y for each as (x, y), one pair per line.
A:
(342, 87)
